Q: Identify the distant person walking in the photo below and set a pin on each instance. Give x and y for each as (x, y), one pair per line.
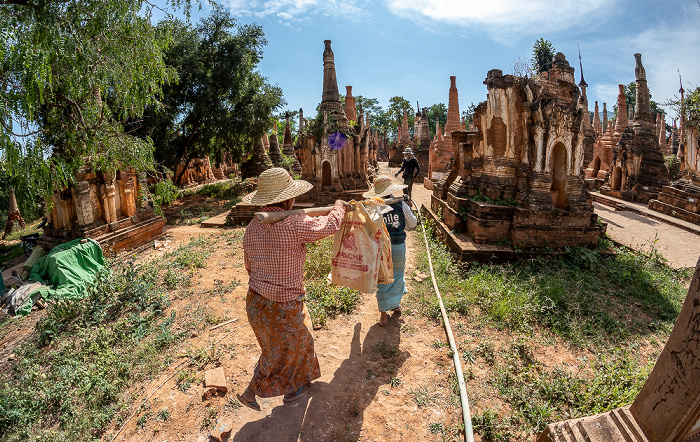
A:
(410, 169)
(397, 221)
(274, 256)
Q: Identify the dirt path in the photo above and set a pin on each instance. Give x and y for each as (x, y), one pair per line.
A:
(679, 247)
(354, 398)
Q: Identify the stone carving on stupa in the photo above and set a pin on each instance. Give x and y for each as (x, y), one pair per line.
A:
(637, 169)
(518, 175)
(102, 206)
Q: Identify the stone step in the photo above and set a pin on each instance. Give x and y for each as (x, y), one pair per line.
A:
(680, 199)
(674, 211)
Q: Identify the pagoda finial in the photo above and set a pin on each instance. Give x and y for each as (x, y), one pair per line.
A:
(582, 83)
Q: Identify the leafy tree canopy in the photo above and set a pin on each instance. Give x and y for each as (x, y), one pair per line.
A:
(397, 105)
(436, 111)
(221, 104)
(691, 107)
(70, 72)
(631, 100)
(542, 55)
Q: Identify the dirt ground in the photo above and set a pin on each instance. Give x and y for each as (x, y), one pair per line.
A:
(353, 400)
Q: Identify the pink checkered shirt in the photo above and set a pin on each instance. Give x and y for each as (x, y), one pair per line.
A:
(274, 254)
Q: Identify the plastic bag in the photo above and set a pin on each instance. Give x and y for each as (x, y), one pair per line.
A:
(386, 265)
(355, 262)
(376, 209)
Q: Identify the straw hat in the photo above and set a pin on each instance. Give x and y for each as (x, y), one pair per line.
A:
(383, 187)
(276, 185)
(408, 150)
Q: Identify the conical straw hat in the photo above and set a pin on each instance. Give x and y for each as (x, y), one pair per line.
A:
(13, 202)
(383, 187)
(276, 185)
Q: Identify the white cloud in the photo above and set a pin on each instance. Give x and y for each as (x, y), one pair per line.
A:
(296, 10)
(516, 15)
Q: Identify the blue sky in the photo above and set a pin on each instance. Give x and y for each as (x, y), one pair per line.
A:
(410, 48)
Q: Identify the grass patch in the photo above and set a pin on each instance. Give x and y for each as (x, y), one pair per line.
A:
(582, 301)
(585, 297)
(423, 395)
(232, 189)
(323, 300)
(10, 246)
(68, 383)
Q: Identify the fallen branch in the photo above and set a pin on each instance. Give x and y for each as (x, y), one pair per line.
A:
(223, 323)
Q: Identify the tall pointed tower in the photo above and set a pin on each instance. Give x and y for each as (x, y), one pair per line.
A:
(330, 102)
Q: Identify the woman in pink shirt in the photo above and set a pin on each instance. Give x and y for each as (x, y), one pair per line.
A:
(274, 256)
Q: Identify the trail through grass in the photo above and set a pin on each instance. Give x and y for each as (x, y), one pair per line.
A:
(605, 317)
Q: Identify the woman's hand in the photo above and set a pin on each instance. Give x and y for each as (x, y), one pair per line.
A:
(345, 204)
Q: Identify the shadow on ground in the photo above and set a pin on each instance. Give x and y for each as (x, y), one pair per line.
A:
(335, 410)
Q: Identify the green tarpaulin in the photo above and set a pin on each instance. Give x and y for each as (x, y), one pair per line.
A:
(66, 271)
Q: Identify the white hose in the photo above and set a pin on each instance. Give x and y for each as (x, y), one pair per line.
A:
(468, 432)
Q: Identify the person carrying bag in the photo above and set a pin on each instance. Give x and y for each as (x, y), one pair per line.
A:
(397, 221)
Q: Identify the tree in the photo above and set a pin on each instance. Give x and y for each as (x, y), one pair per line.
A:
(369, 106)
(71, 71)
(691, 106)
(397, 105)
(436, 111)
(542, 55)
(630, 91)
(221, 104)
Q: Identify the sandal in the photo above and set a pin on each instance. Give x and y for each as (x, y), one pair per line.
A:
(254, 405)
(384, 319)
(292, 397)
(397, 308)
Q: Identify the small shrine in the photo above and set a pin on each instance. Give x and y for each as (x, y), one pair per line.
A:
(682, 198)
(441, 146)
(637, 171)
(517, 176)
(104, 207)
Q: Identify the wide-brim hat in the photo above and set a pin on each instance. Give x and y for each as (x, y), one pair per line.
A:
(408, 150)
(383, 187)
(276, 185)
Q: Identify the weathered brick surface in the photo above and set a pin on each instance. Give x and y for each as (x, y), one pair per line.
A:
(215, 378)
(527, 148)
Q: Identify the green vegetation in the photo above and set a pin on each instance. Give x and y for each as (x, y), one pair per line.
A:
(602, 307)
(542, 55)
(221, 103)
(673, 164)
(324, 300)
(232, 189)
(583, 296)
(69, 382)
(11, 247)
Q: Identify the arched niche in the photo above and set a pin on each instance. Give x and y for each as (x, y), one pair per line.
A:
(558, 170)
(326, 174)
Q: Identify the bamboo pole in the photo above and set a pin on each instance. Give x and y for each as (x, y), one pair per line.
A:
(273, 217)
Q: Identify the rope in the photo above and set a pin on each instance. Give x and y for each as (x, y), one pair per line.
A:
(165, 381)
(468, 432)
